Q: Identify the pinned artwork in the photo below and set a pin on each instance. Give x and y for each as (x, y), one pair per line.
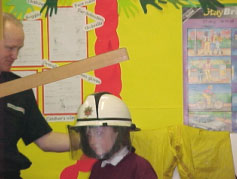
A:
(209, 64)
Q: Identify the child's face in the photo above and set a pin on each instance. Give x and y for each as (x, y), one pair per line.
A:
(101, 139)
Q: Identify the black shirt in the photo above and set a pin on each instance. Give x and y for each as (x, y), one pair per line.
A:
(19, 118)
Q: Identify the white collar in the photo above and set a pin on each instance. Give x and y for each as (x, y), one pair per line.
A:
(116, 158)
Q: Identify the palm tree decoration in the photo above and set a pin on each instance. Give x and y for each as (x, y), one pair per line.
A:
(205, 4)
(50, 5)
(128, 6)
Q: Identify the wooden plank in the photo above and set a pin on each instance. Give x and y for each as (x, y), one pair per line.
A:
(1, 20)
(63, 72)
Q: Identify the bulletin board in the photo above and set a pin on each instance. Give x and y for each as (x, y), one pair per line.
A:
(210, 41)
(47, 46)
(150, 83)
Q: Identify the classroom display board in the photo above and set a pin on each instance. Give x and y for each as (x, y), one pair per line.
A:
(51, 42)
(153, 83)
(210, 59)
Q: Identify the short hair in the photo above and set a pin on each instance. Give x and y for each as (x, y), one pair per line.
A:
(7, 17)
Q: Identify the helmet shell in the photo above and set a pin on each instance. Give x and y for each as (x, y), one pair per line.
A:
(104, 109)
(101, 110)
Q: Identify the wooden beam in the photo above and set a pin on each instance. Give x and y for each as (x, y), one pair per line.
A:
(66, 71)
(1, 20)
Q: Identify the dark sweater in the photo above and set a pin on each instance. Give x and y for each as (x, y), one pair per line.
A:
(131, 166)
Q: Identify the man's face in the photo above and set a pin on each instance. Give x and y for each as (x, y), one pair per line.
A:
(13, 41)
(101, 139)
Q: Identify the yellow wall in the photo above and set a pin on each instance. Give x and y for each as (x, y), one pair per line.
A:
(152, 80)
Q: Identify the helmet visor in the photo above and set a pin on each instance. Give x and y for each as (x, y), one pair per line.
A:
(75, 142)
(101, 139)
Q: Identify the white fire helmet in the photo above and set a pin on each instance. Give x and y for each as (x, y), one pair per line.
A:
(92, 132)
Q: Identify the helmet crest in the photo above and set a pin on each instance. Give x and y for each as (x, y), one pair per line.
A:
(88, 111)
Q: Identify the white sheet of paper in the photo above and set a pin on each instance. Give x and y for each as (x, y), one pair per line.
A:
(26, 73)
(67, 38)
(62, 97)
(31, 53)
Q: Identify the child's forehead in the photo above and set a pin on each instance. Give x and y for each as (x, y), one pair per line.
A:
(99, 128)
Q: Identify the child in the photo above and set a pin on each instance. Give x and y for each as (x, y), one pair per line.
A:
(104, 125)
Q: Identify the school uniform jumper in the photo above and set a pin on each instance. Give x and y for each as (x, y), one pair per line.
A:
(131, 166)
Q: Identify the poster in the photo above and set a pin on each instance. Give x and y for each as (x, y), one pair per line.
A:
(209, 68)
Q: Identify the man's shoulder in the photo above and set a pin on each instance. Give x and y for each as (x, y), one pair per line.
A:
(10, 76)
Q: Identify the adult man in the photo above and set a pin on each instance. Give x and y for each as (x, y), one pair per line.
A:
(19, 113)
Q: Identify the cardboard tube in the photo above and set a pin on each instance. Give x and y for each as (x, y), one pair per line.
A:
(66, 71)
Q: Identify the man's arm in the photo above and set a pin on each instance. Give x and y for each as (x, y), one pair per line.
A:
(54, 142)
